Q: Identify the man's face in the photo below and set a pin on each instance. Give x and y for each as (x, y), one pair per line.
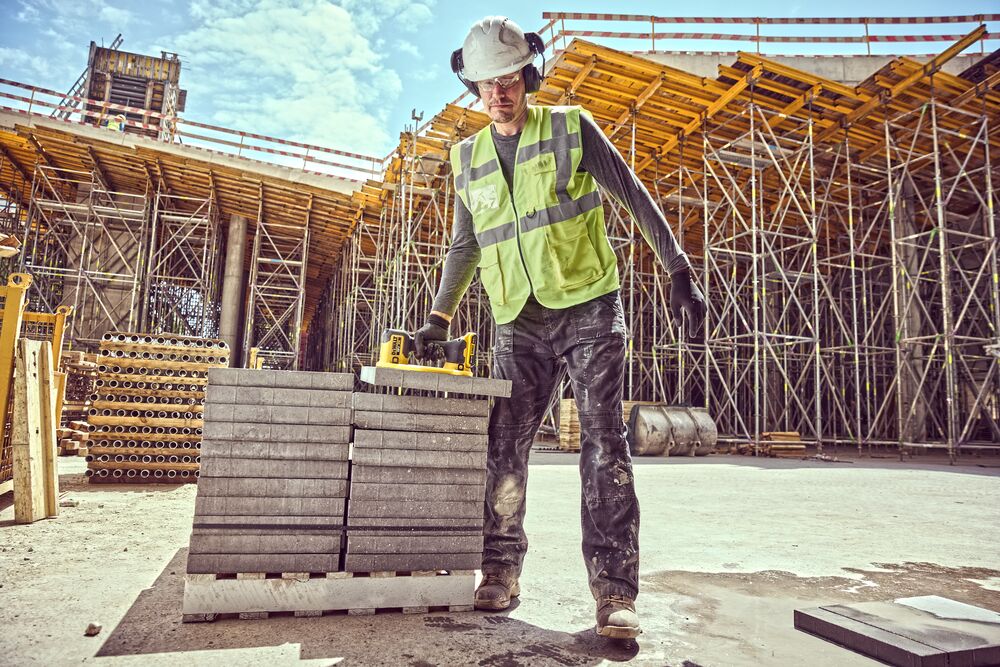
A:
(504, 105)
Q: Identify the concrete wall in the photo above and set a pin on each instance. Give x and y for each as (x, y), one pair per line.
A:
(850, 70)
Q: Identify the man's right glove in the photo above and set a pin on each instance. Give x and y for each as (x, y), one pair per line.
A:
(435, 330)
(685, 296)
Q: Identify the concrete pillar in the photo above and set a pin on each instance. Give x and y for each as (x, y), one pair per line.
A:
(233, 292)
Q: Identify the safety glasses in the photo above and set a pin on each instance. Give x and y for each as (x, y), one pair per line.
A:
(504, 82)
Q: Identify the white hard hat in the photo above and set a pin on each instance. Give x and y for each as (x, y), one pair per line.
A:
(494, 47)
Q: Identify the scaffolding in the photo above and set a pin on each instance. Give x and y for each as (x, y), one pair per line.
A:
(182, 277)
(277, 292)
(84, 247)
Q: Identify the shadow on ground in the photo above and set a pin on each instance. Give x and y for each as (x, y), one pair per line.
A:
(153, 625)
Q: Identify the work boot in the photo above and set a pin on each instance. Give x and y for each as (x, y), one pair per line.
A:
(616, 618)
(495, 591)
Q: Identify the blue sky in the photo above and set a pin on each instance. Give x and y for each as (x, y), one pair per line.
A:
(346, 74)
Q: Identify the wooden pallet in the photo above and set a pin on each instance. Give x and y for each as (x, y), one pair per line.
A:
(255, 595)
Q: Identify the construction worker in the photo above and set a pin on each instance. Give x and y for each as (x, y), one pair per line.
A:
(117, 123)
(528, 213)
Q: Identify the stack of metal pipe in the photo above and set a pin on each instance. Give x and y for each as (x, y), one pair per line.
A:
(146, 411)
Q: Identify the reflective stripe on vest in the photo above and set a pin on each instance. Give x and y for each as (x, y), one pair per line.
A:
(547, 236)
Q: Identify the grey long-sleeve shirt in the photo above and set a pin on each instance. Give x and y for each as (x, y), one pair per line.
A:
(602, 161)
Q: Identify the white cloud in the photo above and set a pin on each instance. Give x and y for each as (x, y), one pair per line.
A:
(118, 18)
(409, 48)
(16, 60)
(306, 70)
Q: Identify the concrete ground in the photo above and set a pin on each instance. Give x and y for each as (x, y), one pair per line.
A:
(730, 546)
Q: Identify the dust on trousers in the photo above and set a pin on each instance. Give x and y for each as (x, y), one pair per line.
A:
(591, 339)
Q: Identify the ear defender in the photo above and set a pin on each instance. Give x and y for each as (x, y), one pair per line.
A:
(457, 66)
(532, 75)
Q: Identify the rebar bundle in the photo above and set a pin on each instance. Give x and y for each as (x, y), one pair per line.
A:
(146, 411)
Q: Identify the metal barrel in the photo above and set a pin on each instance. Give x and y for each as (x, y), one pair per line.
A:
(671, 430)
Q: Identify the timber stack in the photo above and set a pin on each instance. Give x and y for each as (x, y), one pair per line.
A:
(145, 419)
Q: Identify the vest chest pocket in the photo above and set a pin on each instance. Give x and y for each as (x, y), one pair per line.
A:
(542, 178)
(491, 275)
(572, 253)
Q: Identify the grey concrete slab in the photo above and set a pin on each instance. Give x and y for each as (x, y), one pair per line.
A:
(242, 431)
(271, 488)
(232, 563)
(410, 562)
(255, 395)
(264, 543)
(221, 412)
(411, 508)
(329, 416)
(278, 414)
(220, 467)
(250, 431)
(422, 404)
(415, 524)
(220, 394)
(286, 414)
(452, 442)
(223, 376)
(414, 544)
(918, 631)
(314, 380)
(426, 381)
(251, 506)
(247, 377)
(218, 430)
(415, 458)
(315, 398)
(286, 522)
(461, 492)
(308, 451)
(398, 421)
(387, 475)
(325, 433)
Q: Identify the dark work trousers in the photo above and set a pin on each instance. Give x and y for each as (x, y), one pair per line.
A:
(590, 338)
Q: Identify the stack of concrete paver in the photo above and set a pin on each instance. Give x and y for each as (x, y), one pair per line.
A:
(418, 474)
(274, 472)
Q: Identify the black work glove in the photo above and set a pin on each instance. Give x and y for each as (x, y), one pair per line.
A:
(436, 329)
(685, 296)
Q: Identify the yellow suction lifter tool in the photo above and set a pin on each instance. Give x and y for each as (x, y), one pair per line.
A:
(459, 354)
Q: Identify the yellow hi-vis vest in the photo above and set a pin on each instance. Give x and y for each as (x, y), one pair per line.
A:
(550, 239)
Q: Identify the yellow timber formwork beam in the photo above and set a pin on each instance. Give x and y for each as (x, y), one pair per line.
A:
(577, 80)
(715, 107)
(10, 330)
(619, 123)
(928, 69)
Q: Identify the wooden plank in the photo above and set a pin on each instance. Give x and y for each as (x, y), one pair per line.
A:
(48, 397)
(221, 596)
(28, 464)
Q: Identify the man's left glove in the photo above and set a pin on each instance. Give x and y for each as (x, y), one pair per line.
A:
(436, 329)
(685, 296)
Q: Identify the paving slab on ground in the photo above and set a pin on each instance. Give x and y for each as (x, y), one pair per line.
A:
(924, 631)
(730, 548)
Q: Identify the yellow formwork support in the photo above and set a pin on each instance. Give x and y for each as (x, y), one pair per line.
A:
(18, 323)
(12, 313)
